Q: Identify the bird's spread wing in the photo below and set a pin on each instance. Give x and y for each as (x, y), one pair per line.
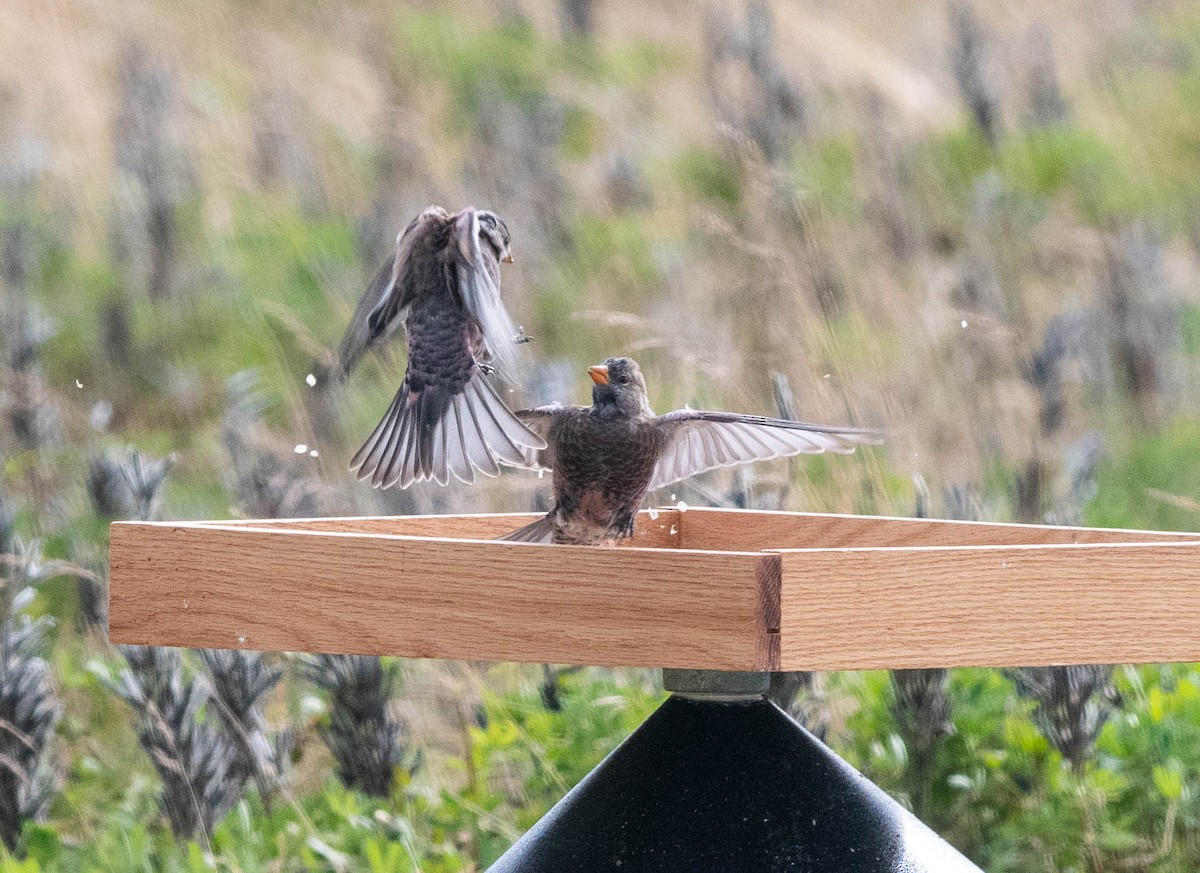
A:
(539, 420)
(478, 277)
(695, 441)
(381, 309)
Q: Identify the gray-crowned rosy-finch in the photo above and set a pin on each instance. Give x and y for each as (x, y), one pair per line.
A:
(444, 284)
(606, 456)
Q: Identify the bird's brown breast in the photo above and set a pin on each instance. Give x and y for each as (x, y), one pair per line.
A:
(603, 463)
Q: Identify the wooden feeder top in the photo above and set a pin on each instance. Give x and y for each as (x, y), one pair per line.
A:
(695, 588)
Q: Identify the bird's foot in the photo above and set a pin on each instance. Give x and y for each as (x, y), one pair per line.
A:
(486, 369)
(626, 528)
(520, 338)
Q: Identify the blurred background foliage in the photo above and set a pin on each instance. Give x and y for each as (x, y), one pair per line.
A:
(975, 225)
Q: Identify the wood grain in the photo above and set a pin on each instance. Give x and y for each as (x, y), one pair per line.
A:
(852, 609)
(921, 593)
(751, 530)
(657, 529)
(238, 586)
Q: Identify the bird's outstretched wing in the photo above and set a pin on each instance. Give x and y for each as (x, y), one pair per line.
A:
(538, 419)
(695, 441)
(478, 277)
(381, 309)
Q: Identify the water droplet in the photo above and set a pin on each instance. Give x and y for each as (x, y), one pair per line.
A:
(311, 380)
(681, 506)
(242, 640)
(653, 513)
(78, 384)
(827, 375)
(673, 497)
(1004, 565)
(313, 453)
(301, 448)
(964, 324)
(542, 473)
(674, 530)
(186, 603)
(100, 415)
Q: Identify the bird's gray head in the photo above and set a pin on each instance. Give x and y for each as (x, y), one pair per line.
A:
(619, 385)
(494, 233)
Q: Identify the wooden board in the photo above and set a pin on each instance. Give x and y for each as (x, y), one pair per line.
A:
(240, 586)
(754, 530)
(698, 588)
(990, 606)
(659, 530)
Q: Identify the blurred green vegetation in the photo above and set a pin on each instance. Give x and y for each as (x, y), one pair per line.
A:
(912, 281)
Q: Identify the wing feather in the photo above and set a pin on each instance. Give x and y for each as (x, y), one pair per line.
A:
(696, 441)
(479, 286)
(538, 420)
(381, 308)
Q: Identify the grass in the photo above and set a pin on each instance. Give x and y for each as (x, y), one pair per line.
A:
(855, 255)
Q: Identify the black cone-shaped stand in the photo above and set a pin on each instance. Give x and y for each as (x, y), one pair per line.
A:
(719, 787)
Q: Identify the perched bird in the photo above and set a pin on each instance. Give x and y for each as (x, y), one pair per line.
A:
(444, 284)
(606, 456)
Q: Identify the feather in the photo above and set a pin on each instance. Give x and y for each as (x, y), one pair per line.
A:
(476, 442)
(480, 291)
(540, 531)
(439, 470)
(696, 441)
(382, 307)
(443, 283)
(426, 435)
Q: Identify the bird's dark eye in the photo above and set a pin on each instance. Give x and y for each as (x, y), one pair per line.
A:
(624, 380)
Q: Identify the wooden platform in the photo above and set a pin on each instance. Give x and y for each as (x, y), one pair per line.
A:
(697, 588)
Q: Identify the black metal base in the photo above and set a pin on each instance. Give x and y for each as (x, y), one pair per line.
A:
(721, 787)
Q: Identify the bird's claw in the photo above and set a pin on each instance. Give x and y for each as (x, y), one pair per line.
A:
(520, 338)
(486, 369)
(626, 529)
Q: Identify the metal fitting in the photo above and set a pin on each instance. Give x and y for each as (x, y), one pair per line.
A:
(727, 686)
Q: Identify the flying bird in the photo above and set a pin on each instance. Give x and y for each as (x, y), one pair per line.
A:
(443, 284)
(606, 456)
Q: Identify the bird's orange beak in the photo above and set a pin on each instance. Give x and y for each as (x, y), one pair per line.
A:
(599, 374)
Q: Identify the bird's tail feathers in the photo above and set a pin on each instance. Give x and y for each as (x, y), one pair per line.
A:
(431, 434)
(540, 531)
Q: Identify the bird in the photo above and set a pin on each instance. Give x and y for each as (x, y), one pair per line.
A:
(443, 284)
(606, 456)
